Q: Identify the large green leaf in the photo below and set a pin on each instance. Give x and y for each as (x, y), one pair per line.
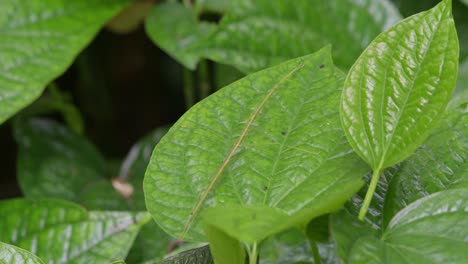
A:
(431, 230)
(397, 90)
(261, 33)
(62, 232)
(13, 255)
(39, 40)
(272, 139)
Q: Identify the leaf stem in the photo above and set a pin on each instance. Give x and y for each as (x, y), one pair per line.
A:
(204, 79)
(370, 193)
(253, 254)
(315, 251)
(188, 88)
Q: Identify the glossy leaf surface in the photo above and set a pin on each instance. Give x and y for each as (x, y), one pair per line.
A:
(438, 165)
(13, 255)
(430, 230)
(409, 8)
(62, 232)
(399, 87)
(256, 34)
(39, 40)
(243, 144)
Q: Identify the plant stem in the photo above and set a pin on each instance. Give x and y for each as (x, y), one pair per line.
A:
(315, 251)
(253, 254)
(188, 88)
(370, 193)
(204, 79)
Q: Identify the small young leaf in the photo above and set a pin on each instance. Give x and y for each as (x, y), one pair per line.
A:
(271, 139)
(397, 90)
(59, 231)
(13, 255)
(430, 230)
(224, 248)
(39, 40)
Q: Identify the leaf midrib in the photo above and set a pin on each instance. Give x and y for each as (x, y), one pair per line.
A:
(400, 113)
(195, 210)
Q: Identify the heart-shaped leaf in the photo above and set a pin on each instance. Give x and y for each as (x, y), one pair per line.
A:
(39, 40)
(62, 232)
(256, 34)
(430, 230)
(397, 90)
(13, 255)
(272, 139)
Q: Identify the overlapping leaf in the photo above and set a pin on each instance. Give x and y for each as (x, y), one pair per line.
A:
(272, 139)
(430, 230)
(62, 232)
(39, 40)
(261, 33)
(399, 87)
(13, 255)
(438, 165)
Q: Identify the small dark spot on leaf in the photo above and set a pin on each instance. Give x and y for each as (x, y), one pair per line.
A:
(322, 66)
(265, 188)
(283, 133)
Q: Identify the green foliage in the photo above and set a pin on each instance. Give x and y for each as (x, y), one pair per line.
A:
(12, 255)
(396, 92)
(273, 168)
(58, 231)
(256, 34)
(430, 230)
(241, 146)
(39, 40)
